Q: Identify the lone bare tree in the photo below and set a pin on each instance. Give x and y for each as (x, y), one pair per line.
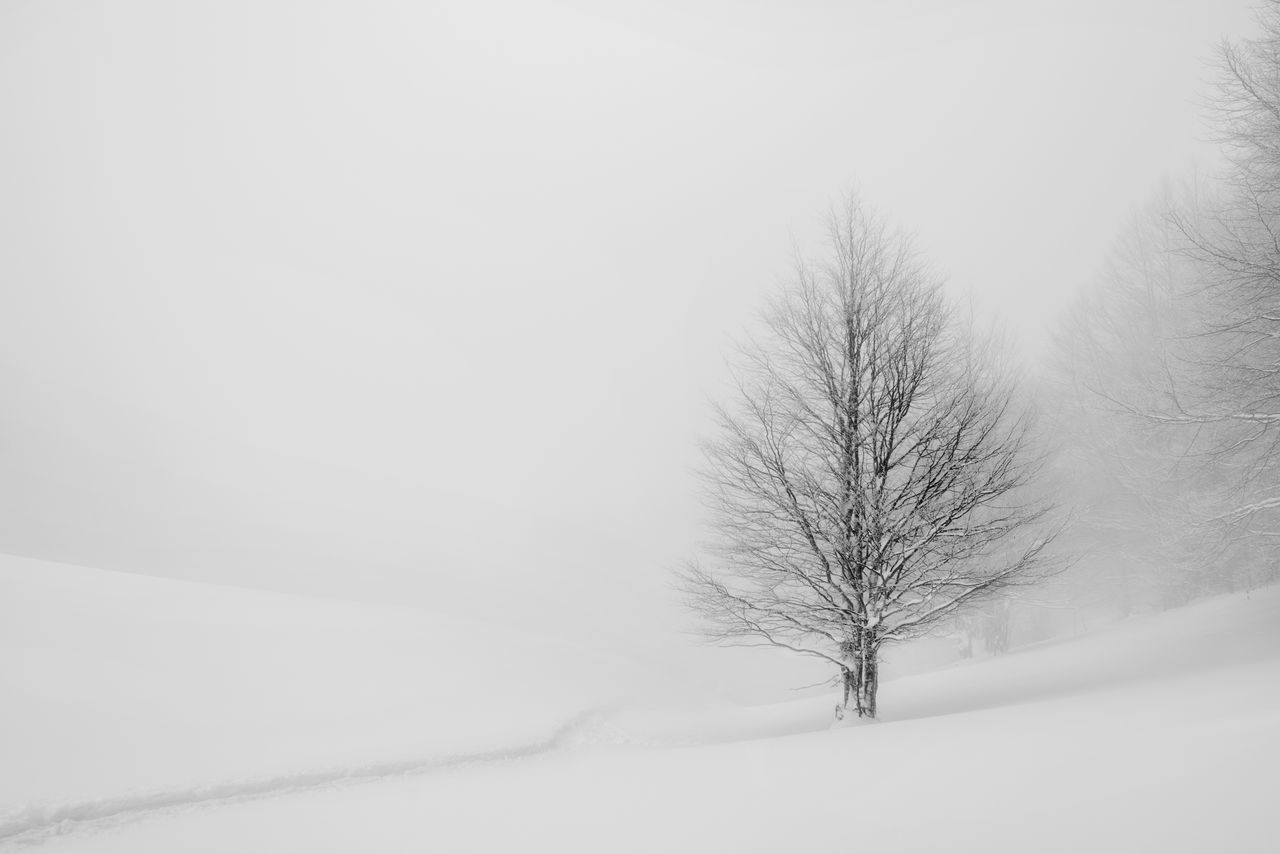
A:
(872, 476)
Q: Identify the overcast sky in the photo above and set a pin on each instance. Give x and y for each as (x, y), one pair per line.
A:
(414, 300)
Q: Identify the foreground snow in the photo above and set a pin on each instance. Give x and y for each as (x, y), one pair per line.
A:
(121, 693)
(1158, 734)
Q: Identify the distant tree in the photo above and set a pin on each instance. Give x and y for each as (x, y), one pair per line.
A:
(872, 476)
(1145, 494)
(1228, 382)
(1181, 350)
(1171, 401)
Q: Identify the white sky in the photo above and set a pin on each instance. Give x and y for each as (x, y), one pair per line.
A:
(401, 300)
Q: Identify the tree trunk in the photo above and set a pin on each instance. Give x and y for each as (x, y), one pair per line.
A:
(860, 675)
(846, 683)
(869, 683)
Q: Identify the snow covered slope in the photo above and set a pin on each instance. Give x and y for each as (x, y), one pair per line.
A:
(1160, 733)
(119, 689)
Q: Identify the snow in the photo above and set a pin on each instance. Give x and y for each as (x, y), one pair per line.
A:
(121, 690)
(387, 730)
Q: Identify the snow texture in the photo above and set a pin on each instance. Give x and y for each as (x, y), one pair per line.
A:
(1156, 733)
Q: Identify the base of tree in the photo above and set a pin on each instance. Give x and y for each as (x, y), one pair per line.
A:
(850, 719)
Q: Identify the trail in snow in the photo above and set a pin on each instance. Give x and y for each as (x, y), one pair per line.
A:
(114, 686)
(38, 822)
(131, 730)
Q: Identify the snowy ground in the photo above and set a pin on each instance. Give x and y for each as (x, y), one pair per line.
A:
(142, 715)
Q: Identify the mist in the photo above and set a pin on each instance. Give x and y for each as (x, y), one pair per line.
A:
(429, 305)
(389, 301)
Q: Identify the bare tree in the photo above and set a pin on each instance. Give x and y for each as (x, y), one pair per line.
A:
(1180, 350)
(1169, 400)
(1228, 380)
(872, 476)
(1147, 493)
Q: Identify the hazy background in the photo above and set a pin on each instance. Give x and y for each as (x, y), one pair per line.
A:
(423, 301)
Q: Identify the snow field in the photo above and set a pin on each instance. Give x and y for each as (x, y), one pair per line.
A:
(121, 690)
(1159, 733)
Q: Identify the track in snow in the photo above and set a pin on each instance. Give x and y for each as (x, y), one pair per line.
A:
(36, 823)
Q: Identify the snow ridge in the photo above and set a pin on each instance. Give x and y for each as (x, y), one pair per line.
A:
(37, 822)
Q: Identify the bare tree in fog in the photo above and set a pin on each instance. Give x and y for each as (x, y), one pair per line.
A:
(1203, 297)
(1230, 380)
(1175, 364)
(1145, 494)
(872, 476)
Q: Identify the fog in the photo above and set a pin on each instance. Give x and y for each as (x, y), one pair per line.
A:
(687, 425)
(424, 302)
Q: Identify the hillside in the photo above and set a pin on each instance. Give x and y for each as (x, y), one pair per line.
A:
(193, 718)
(120, 690)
